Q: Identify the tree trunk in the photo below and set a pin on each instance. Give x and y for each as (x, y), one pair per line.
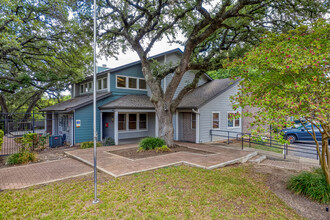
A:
(165, 123)
(4, 110)
(325, 163)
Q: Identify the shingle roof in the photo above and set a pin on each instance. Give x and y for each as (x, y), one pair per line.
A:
(194, 99)
(130, 102)
(206, 93)
(76, 102)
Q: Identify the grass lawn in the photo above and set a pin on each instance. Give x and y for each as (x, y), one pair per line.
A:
(169, 193)
(267, 148)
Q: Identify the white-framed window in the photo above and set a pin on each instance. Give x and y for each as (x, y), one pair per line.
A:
(121, 122)
(193, 120)
(128, 82)
(88, 86)
(215, 120)
(132, 122)
(233, 121)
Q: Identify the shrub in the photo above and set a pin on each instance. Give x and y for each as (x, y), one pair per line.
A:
(1, 139)
(21, 158)
(311, 184)
(151, 143)
(89, 144)
(108, 141)
(163, 148)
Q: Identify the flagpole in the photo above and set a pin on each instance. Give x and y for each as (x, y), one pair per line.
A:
(96, 200)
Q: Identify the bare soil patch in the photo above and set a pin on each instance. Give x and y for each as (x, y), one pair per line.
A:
(47, 154)
(277, 180)
(133, 153)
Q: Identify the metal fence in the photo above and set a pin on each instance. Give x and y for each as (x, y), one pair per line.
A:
(15, 126)
(299, 149)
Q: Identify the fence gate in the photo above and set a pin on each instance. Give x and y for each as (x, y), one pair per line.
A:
(15, 126)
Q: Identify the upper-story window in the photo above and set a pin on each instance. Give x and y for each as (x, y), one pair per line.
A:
(102, 83)
(88, 86)
(127, 82)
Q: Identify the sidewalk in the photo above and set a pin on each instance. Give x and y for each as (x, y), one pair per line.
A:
(40, 173)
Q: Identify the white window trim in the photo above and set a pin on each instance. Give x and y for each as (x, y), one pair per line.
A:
(102, 84)
(97, 84)
(240, 120)
(217, 112)
(127, 83)
(191, 121)
(137, 123)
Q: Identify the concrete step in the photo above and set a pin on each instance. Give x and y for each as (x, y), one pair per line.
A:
(257, 159)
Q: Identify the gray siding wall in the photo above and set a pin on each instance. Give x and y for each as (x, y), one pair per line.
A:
(220, 104)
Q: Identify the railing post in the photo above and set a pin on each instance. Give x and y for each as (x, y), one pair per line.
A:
(228, 137)
(242, 142)
(249, 140)
(284, 149)
(211, 135)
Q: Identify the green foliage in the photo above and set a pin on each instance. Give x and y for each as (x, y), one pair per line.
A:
(1, 139)
(108, 141)
(311, 184)
(151, 143)
(89, 144)
(21, 157)
(30, 140)
(163, 148)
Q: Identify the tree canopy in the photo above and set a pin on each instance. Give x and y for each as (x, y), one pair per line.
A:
(289, 75)
(43, 48)
(212, 32)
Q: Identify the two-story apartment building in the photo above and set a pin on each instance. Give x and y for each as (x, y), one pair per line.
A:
(124, 110)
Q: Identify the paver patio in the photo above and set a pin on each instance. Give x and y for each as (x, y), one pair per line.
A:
(119, 166)
(41, 173)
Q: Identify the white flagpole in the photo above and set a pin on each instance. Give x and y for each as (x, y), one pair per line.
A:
(96, 200)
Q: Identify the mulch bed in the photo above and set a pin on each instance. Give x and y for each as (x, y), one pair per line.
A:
(132, 153)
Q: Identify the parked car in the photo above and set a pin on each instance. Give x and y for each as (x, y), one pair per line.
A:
(301, 134)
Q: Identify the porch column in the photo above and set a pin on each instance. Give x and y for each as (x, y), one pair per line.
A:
(156, 125)
(116, 128)
(176, 125)
(197, 128)
(53, 123)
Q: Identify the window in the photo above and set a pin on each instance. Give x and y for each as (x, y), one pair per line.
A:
(132, 121)
(105, 83)
(82, 88)
(143, 121)
(99, 84)
(126, 82)
(132, 83)
(193, 120)
(215, 120)
(142, 84)
(233, 121)
(121, 81)
(121, 122)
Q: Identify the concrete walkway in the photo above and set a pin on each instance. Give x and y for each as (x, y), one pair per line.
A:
(116, 166)
(41, 173)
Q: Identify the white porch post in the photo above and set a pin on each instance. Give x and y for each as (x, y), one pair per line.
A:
(197, 128)
(156, 125)
(53, 123)
(116, 128)
(176, 125)
(101, 126)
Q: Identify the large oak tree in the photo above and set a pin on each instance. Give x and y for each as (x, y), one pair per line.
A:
(213, 31)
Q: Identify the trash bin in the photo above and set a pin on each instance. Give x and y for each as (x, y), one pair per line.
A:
(55, 141)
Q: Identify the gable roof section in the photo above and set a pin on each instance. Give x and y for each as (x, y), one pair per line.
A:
(76, 102)
(205, 93)
(195, 99)
(130, 102)
(111, 70)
